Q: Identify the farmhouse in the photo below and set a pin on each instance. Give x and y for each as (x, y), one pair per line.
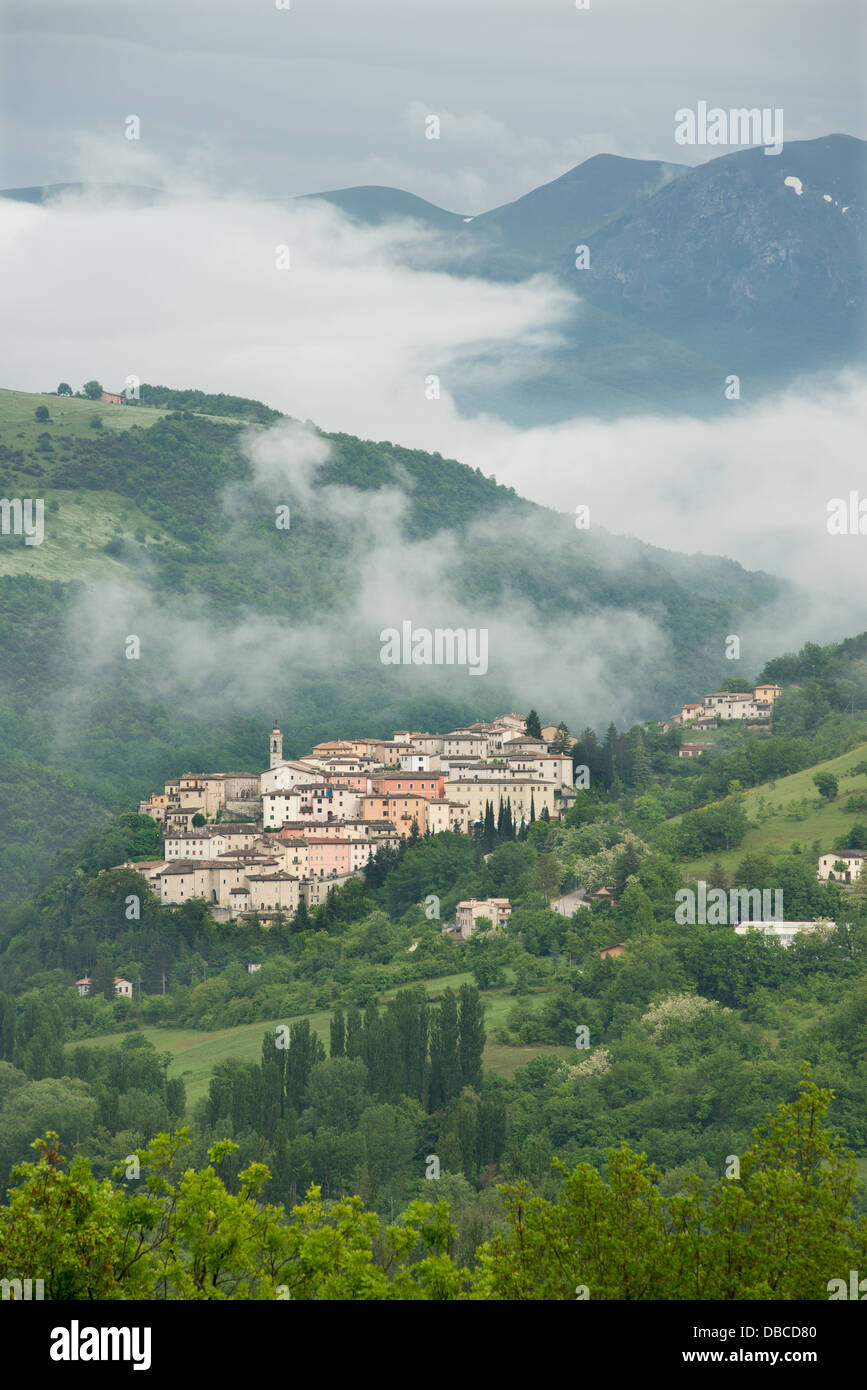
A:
(497, 910)
(842, 864)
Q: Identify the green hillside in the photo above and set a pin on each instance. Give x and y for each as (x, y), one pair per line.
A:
(195, 1052)
(157, 524)
(790, 811)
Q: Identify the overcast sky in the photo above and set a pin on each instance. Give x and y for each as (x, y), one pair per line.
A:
(242, 106)
(330, 93)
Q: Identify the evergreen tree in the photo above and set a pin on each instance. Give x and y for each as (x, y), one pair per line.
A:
(7, 1027)
(411, 1014)
(534, 727)
(609, 757)
(338, 1034)
(489, 828)
(304, 1051)
(102, 979)
(532, 808)
(471, 1026)
(445, 1067)
(626, 864)
(561, 741)
(354, 1045)
(272, 1091)
(301, 920)
(639, 758)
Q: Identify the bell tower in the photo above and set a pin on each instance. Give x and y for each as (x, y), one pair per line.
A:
(276, 748)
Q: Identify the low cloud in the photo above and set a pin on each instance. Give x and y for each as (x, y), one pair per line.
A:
(188, 293)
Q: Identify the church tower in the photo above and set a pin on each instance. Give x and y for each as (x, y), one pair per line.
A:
(276, 746)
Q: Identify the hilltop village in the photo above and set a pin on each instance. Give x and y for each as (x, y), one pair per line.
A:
(304, 826)
(267, 842)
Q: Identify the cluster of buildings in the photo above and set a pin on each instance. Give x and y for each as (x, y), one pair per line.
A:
(315, 821)
(722, 704)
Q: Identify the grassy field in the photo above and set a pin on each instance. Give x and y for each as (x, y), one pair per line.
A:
(195, 1052)
(78, 523)
(71, 417)
(774, 826)
(77, 527)
(19, 428)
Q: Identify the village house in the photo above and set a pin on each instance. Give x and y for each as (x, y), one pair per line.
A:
(431, 744)
(515, 722)
(693, 750)
(690, 712)
(373, 831)
(295, 852)
(398, 783)
(403, 810)
(768, 693)
(465, 745)
(552, 731)
(111, 398)
(552, 767)
(524, 743)
(288, 776)
(497, 910)
(122, 987)
(155, 807)
(525, 794)
(388, 752)
(274, 892)
(329, 856)
(607, 894)
(850, 860)
(420, 762)
(447, 815)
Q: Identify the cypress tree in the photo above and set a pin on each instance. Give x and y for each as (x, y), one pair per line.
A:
(534, 727)
(489, 831)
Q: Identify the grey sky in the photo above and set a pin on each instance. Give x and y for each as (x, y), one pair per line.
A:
(330, 93)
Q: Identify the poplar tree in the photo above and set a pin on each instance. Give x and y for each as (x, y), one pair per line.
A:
(445, 1069)
(471, 1027)
(338, 1034)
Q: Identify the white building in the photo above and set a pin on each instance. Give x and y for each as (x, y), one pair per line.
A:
(497, 910)
(785, 932)
(850, 859)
